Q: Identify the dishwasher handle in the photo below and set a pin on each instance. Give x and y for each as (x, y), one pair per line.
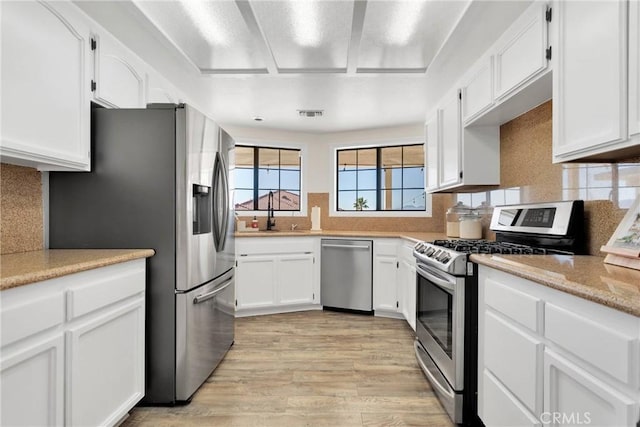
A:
(329, 245)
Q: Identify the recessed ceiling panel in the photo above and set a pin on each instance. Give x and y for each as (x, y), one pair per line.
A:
(405, 35)
(306, 35)
(212, 34)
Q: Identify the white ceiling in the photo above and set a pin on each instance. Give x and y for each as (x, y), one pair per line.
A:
(363, 62)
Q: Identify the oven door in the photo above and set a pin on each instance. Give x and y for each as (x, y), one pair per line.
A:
(440, 321)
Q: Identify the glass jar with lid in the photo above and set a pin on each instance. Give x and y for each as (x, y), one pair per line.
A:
(453, 215)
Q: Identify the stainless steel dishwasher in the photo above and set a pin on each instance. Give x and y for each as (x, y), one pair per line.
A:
(346, 274)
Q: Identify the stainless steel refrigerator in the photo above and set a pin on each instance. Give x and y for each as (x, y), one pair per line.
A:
(159, 180)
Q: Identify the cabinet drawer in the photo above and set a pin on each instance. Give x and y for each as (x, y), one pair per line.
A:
(500, 408)
(607, 349)
(515, 359)
(523, 308)
(123, 282)
(33, 316)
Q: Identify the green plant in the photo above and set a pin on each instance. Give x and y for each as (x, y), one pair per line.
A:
(361, 203)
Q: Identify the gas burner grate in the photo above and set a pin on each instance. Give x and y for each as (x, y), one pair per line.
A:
(489, 247)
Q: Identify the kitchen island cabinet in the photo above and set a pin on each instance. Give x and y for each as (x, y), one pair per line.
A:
(72, 346)
(542, 351)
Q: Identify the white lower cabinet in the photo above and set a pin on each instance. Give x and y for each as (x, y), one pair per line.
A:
(573, 396)
(276, 275)
(554, 359)
(75, 355)
(32, 384)
(385, 295)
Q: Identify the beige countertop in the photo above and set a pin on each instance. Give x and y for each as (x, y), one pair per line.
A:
(413, 236)
(585, 276)
(29, 267)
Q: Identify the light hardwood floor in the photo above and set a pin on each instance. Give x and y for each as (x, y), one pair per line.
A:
(315, 368)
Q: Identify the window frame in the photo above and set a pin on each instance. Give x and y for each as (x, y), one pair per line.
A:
(274, 146)
(333, 194)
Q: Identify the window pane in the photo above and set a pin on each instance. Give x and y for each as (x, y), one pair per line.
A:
(268, 178)
(413, 177)
(346, 200)
(243, 178)
(367, 159)
(243, 200)
(391, 200)
(290, 180)
(346, 180)
(599, 176)
(627, 195)
(347, 159)
(391, 178)
(244, 156)
(290, 159)
(413, 200)
(367, 179)
(369, 198)
(289, 200)
(269, 158)
(391, 157)
(413, 156)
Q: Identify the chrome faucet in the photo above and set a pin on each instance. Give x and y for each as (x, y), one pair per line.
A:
(270, 220)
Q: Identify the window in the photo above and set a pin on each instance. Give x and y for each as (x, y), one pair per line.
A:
(381, 178)
(260, 170)
(617, 182)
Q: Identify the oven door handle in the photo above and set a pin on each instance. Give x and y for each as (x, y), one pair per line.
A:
(432, 379)
(437, 279)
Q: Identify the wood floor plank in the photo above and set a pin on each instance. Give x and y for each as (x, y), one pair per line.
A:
(315, 368)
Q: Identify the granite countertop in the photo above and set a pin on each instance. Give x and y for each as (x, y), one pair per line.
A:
(414, 236)
(29, 267)
(584, 276)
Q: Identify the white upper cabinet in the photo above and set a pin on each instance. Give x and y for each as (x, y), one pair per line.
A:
(590, 79)
(634, 68)
(477, 90)
(450, 129)
(520, 54)
(45, 86)
(118, 76)
(160, 91)
(431, 132)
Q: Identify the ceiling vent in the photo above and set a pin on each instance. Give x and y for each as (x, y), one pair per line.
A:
(310, 113)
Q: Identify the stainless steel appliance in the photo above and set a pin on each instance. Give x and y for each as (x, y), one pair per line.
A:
(159, 180)
(447, 298)
(346, 274)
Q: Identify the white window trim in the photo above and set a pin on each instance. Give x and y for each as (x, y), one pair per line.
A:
(333, 211)
(303, 176)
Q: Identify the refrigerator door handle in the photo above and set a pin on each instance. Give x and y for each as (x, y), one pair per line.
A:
(217, 227)
(209, 295)
(225, 191)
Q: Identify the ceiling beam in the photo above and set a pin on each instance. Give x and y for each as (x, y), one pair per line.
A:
(357, 22)
(258, 36)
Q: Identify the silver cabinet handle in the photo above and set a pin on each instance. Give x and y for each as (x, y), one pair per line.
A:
(327, 245)
(209, 295)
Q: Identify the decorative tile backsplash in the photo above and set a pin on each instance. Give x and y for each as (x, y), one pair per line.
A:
(21, 217)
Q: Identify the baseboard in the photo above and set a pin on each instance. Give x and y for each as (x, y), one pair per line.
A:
(389, 314)
(276, 310)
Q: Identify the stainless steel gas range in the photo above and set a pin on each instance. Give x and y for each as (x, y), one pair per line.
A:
(447, 297)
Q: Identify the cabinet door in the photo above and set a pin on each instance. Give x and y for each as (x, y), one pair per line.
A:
(255, 281)
(498, 407)
(159, 90)
(450, 150)
(634, 68)
(432, 136)
(118, 75)
(589, 89)
(32, 384)
(572, 392)
(477, 91)
(521, 53)
(384, 283)
(407, 290)
(295, 279)
(105, 366)
(45, 85)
